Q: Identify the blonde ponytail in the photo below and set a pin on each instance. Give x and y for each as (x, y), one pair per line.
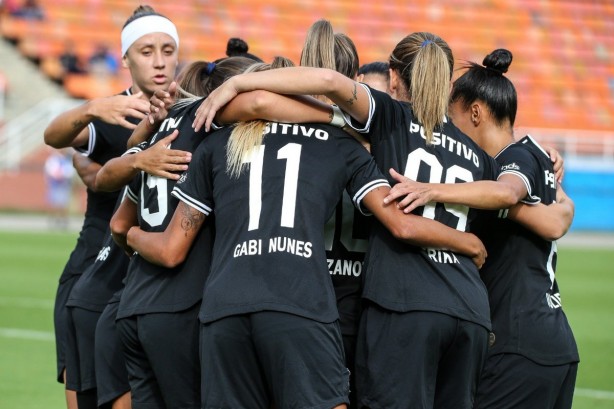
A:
(424, 63)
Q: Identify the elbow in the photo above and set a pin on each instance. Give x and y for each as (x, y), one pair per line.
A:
(99, 184)
(507, 198)
(171, 258)
(51, 141)
(556, 232)
(260, 103)
(119, 228)
(403, 232)
(329, 78)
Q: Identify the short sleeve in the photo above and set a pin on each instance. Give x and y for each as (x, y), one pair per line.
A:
(520, 162)
(195, 186)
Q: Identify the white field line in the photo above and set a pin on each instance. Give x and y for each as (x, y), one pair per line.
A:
(594, 394)
(21, 302)
(27, 334)
(17, 333)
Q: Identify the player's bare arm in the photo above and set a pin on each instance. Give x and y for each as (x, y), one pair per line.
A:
(158, 160)
(70, 127)
(292, 81)
(87, 170)
(484, 194)
(170, 247)
(423, 232)
(550, 222)
(123, 219)
(191, 219)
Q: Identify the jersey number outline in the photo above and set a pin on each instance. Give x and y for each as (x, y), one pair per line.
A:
(156, 218)
(415, 159)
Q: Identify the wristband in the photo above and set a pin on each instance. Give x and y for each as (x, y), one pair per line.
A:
(338, 118)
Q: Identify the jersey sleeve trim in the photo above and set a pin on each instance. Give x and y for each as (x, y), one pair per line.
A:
(357, 199)
(190, 201)
(530, 199)
(91, 141)
(133, 150)
(537, 145)
(367, 125)
(131, 195)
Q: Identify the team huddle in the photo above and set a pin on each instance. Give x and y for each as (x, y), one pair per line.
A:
(318, 236)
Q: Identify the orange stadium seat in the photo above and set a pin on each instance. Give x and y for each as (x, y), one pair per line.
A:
(562, 65)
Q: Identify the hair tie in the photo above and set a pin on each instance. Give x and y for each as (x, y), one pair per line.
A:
(425, 43)
(499, 72)
(210, 68)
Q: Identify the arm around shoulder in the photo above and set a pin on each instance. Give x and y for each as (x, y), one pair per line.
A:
(550, 222)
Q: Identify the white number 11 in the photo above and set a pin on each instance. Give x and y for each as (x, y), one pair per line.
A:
(292, 154)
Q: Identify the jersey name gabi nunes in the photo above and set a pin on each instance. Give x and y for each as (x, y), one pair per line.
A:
(270, 252)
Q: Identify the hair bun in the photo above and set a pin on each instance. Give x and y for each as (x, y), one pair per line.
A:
(498, 60)
(236, 46)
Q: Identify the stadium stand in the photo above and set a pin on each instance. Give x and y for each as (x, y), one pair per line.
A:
(563, 63)
(563, 60)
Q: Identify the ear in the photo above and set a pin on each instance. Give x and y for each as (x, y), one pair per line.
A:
(477, 115)
(125, 62)
(394, 84)
(360, 77)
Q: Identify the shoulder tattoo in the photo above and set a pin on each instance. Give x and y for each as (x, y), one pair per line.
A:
(191, 219)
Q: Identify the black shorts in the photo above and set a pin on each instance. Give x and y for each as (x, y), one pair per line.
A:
(513, 381)
(60, 323)
(417, 359)
(350, 308)
(272, 358)
(161, 352)
(80, 373)
(111, 372)
(349, 349)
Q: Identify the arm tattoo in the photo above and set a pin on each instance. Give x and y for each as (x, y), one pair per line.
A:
(191, 219)
(354, 96)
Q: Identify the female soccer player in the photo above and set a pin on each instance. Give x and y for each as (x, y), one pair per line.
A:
(532, 360)
(347, 231)
(376, 75)
(424, 332)
(269, 319)
(157, 313)
(100, 129)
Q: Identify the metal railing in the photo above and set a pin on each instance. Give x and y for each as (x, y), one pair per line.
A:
(573, 143)
(24, 134)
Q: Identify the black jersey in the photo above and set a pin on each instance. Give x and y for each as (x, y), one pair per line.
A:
(401, 277)
(347, 239)
(103, 278)
(269, 251)
(105, 142)
(150, 288)
(525, 302)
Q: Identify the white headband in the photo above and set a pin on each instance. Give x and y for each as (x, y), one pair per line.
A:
(147, 25)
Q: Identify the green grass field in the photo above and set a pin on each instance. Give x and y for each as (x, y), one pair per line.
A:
(31, 264)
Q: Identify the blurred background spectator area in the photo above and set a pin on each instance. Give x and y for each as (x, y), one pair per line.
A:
(563, 63)
(563, 50)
